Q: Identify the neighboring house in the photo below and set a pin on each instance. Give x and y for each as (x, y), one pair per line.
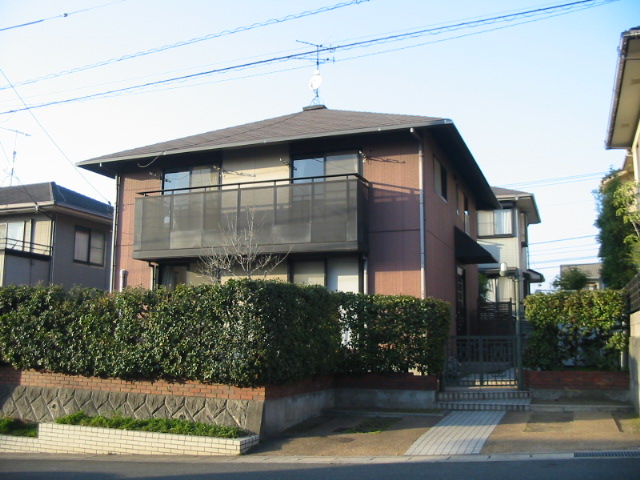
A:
(591, 270)
(624, 119)
(505, 234)
(363, 202)
(52, 235)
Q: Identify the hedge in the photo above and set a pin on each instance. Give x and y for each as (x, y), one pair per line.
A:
(581, 328)
(393, 333)
(243, 333)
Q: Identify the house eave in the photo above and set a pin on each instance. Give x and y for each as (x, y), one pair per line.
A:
(625, 106)
(108, 165)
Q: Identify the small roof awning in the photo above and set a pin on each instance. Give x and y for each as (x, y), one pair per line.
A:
(468, 251)
(533, 276)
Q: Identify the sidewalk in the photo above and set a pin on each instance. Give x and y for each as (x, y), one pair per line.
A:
(451, 434)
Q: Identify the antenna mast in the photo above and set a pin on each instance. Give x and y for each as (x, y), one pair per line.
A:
(316, 79)
(15, 153)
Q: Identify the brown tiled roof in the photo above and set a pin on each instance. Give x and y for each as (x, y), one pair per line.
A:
(312, 122)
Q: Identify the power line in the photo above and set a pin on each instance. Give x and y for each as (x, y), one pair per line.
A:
(548, 182)
(306, 54)
(192, 41)
(64, 155)
(564, 239)
(62, 15)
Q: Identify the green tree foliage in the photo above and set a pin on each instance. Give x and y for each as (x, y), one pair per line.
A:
(572, 279)
(584, 328)
(617, 248)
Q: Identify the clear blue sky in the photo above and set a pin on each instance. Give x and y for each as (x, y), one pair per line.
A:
(530, 94)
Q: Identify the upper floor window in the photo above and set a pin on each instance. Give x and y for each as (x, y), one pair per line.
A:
(179, 180)
(13, 235)
(495, 223)
(440, 178)
(89, 246)
(338, 163)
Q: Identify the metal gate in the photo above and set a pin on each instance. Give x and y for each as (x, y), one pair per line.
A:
(473, 361)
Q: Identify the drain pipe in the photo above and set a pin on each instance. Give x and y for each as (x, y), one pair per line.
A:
(114, 238)
(423, 239)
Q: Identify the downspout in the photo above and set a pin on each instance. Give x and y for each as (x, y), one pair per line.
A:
(114, 236)
(423, 239)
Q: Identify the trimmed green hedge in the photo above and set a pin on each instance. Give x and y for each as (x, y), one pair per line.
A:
(393, 333)
(243, 333)
(582, 328)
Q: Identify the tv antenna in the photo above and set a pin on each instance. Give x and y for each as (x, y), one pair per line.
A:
(316, 78)
(13, 157)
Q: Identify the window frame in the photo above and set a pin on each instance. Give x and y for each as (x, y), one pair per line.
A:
(87, 255)
(507, 211)
(440, 179)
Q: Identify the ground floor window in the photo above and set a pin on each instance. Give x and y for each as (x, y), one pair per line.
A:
(336, 273)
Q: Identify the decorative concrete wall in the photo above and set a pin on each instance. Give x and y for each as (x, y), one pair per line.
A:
(54, 438)
(43, 397)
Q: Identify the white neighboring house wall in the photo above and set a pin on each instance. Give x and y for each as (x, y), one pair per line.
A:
(507, 240)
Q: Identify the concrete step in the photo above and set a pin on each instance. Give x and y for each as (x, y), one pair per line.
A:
(484, 400)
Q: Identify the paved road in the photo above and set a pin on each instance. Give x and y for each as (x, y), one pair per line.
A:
(54, 468)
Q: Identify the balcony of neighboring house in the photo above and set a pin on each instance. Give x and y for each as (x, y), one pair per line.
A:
(24, 248)
(309, 214)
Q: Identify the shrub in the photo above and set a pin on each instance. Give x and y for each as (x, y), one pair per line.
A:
(584, 328)
(245, 333)
(159, 425)
(386, 334)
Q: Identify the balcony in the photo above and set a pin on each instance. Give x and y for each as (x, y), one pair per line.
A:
(22, 247)
(315, 214)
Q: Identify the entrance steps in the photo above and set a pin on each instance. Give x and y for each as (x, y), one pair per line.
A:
(483, 400)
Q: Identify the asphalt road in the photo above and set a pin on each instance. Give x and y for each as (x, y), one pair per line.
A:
(54, 468)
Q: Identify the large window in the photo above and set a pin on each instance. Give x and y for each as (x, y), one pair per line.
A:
(337, 274)
(338, 163)
(495, 223)
(179, 180)
(89, 246)
(12, 235)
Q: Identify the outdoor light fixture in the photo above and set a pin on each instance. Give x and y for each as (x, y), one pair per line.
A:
(515, 276)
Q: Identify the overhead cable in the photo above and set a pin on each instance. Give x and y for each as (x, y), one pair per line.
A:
(192, 41)
(306, 54)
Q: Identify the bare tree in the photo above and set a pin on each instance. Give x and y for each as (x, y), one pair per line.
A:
(240, 255)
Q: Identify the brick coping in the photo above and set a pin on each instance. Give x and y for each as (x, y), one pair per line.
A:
(576, 379)
(399, 381)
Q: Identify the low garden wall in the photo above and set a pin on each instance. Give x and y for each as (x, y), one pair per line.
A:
(43, 397)
(54, 438)
(585, 384)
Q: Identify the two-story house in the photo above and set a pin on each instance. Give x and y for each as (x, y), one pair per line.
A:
(364, 202)
(52, 235)
(504, 232)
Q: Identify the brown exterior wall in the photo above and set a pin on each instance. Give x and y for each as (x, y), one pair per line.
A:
(138, 272)
(391, 165)
(394, 256)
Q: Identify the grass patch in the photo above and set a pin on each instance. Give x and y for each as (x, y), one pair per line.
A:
(18, 428)
(158, 425)
(371, 425)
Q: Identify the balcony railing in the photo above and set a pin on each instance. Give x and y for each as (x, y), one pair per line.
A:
(24, 247)
(315, 214)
